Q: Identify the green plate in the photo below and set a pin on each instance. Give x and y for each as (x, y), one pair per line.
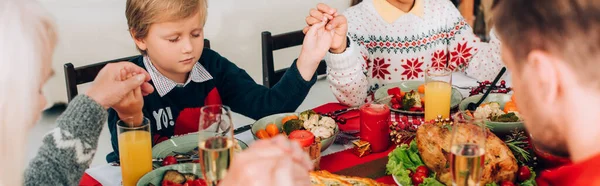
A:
(155, 176)
(407, 86)
(276, 119)
(180, 144)
(496, 127)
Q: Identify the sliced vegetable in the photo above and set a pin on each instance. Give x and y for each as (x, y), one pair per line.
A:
(190, 177)
(421, 89)
(288, 118)
(411, 99)
(394, 91)
(262, 134)
(510, 117)
(304, 137)
(292, 125)
(408, 103)
(510, 106)
(174, 177)
(272, 129)
(431, 182)
(306, 115)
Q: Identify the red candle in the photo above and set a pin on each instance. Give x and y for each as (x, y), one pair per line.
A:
(374, 126)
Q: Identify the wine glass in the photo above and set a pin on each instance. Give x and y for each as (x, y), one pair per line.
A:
(216, 142)
(467, 149)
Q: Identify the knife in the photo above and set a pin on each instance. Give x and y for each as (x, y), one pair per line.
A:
(243, 129)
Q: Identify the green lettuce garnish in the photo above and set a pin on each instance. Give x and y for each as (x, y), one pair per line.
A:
(431, 182)
(402, 160)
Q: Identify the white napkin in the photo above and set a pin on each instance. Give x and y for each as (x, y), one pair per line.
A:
(107, 175)
(462, 80)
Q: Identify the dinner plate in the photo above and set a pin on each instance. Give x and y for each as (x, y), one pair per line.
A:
(183, 144)
(155, 177)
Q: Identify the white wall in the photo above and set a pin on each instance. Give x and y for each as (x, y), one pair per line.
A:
(96, 30)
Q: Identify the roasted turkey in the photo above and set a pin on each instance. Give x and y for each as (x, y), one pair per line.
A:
(434, 142)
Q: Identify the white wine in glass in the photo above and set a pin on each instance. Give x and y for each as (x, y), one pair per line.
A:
(468, 150)
(216, 142)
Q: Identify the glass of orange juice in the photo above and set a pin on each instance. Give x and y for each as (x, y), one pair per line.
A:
(135, 149)
(438, 89)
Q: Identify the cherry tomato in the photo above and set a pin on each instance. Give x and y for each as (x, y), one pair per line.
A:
(507, 183)
(304, 137)
(395, 106)
(422, 89)
(169, 160)
(422, 169)
(524, 173)
(418, 178)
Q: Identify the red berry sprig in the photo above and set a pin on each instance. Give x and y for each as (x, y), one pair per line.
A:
(486, 85)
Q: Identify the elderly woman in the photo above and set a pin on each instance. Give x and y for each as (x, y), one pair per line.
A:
(27, 40)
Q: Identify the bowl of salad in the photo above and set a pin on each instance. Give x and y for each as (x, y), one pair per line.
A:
(500, 109)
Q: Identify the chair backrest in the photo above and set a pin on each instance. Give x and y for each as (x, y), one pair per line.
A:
(271, 43)
(84, 74)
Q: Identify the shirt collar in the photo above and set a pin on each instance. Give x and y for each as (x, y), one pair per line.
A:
(164, 85)
(390, 13)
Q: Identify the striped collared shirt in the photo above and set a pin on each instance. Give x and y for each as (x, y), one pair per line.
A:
(164, 85)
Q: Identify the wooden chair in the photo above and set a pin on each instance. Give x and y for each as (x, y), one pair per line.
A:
(80, 75)
(271, 43)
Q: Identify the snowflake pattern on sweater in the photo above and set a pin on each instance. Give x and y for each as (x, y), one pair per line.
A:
(382, 52)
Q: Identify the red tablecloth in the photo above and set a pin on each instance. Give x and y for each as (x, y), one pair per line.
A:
(343, 162)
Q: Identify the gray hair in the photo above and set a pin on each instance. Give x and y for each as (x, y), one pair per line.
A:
(27, 40)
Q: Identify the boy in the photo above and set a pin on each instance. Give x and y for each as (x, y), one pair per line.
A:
(186, 76)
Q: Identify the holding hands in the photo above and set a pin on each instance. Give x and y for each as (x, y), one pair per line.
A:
(336, 23)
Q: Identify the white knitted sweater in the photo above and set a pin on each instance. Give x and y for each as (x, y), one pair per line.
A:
(381, 52)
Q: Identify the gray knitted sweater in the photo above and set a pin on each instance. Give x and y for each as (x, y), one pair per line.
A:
(68, 150)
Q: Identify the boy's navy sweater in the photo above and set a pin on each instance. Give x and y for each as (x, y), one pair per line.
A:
(177, 112)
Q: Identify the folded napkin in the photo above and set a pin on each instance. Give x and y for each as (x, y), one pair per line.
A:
(107, 175)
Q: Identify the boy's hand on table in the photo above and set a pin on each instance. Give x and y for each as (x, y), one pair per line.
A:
(338, 23)
(314, 47)
(109, 88)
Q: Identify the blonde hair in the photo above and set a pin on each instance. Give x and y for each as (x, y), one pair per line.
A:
(27, 39)
(141, 14)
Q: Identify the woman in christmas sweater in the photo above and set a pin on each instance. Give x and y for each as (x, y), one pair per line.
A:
(384, 41)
